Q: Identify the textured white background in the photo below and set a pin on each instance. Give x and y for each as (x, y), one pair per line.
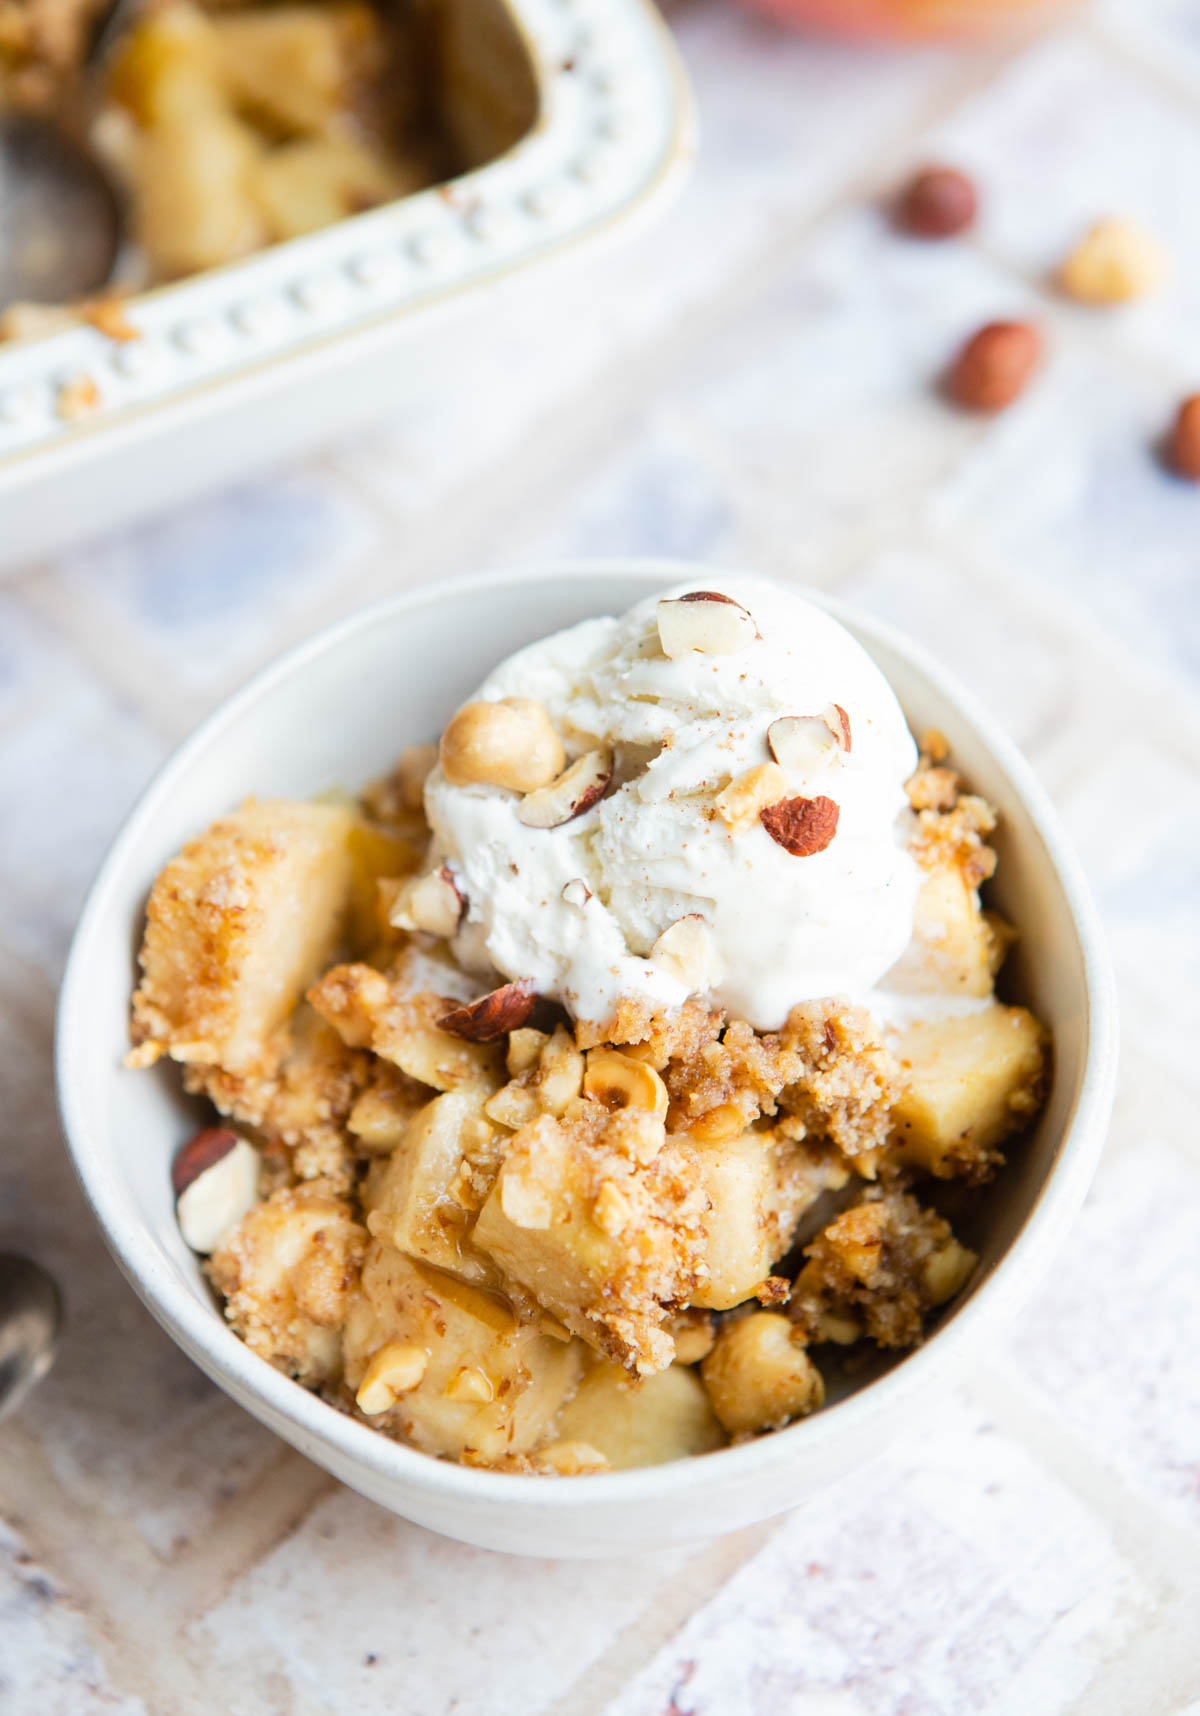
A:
(750, 383)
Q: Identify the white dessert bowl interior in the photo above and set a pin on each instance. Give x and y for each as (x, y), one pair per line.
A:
(333, 713)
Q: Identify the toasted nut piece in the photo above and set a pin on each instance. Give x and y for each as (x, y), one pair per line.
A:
(469, 1383)
(492, 1016)
(560, 1075)
(938, 202)
(612, 1211)
(694, 1333)
(514, 1105)
(508, 744)
(1117, 261)
(572, 1459)
(802, 826)
(947, 1270)
(746, 795)
(838, 722)
(618, 1081)
(576, 892)
(394, 1370)
(577, 789)
(1183, 443)
(216, 1179)
(432, 903)
(995, 366)
(684, 950)
(719, 1125)
(526, 1203)
(202, 1150)
(704, 621)
(802, 742)
(524, 1048)
(758, 1374)
(840, 1331)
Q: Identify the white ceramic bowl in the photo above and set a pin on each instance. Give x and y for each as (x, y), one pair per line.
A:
(336, 711)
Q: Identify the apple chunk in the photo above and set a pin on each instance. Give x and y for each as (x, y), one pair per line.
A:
(603, 1242)
(492, 1385)
(968, 1084)
(415, 1206)
(237, 925)
(955, 946)
(756, 1192)
(648, 1423)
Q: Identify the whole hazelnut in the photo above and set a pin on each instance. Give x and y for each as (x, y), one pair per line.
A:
(995, 366)
(939, 202)
(1116, 262)
(1183, 443)
(507, 744)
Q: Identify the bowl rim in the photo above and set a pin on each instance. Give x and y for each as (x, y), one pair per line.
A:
(310, 1421)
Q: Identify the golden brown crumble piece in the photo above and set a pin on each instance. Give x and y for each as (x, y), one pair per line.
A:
(829, 1067)
(246, 915)
(849, 1082)
(877, 1270)
(951, 826)
(599, 1218)
(302, 1107)
(288, 1273)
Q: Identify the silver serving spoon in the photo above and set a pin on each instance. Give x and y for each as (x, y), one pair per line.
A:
(60, 217)
(30, 1318)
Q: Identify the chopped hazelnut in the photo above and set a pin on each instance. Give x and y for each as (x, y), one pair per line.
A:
(507, 744)
(618, 1081)
(394, 1370)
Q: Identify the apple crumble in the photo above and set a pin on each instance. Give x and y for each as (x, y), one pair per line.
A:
(229, 124)
(563, 1217)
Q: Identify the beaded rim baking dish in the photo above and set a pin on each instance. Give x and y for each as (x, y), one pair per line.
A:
(613, 124)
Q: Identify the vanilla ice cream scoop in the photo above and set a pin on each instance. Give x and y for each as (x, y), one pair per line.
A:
(734, 825)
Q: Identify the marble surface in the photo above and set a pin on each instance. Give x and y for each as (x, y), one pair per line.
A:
(750, 382)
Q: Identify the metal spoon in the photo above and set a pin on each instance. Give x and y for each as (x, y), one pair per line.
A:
(30, 1318)
(60, 218)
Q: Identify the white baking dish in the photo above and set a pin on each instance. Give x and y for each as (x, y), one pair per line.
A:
(251, 363)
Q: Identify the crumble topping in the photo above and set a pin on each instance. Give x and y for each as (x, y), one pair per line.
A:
(583, 1244)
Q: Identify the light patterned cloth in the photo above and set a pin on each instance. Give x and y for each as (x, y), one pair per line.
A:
(750, 383)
